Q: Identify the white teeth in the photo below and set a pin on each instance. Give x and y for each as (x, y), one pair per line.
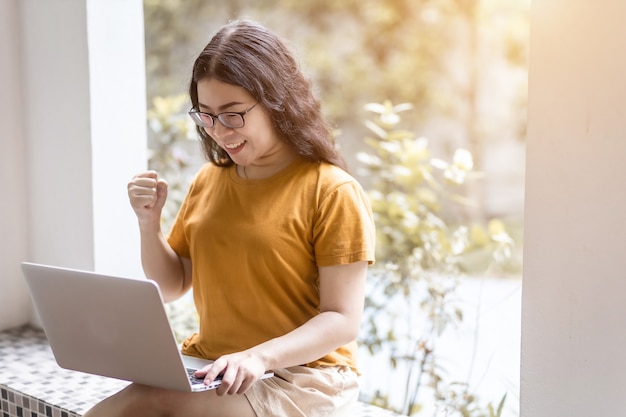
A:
(234, 145)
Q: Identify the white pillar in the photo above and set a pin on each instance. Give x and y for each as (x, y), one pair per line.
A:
(14, 306)
(118, 128)
(85, 106)
(77, 78)
(57, 117)
(574, 285)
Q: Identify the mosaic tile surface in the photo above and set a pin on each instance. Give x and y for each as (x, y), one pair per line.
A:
(33, 385)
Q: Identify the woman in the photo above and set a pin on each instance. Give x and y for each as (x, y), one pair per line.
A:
(274, 237)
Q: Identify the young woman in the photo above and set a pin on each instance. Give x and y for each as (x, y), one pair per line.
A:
(274, 237)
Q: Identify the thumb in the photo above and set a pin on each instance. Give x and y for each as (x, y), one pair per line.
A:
(162, 187)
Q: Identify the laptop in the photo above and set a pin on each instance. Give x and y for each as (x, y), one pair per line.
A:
(111, 326)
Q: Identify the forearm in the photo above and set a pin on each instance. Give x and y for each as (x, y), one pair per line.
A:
(161, 264)
(147, 194)
(314, 339)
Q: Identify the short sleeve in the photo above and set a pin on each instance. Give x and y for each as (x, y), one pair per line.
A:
(344, 230)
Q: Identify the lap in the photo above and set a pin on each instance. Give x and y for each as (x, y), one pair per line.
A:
(306, 392)
(142, 401)
(297, 391)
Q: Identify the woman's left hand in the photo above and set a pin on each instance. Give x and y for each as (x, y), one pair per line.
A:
(240, 370)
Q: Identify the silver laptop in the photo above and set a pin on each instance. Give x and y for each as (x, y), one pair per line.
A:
(111, 326)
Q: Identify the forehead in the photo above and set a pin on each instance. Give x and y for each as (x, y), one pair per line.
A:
(217, 95)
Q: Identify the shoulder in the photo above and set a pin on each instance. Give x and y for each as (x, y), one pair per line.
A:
(334, 173)
(332, 185)
(335, 180)
(328, 176)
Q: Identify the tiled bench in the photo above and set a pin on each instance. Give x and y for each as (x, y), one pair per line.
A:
(33, 385)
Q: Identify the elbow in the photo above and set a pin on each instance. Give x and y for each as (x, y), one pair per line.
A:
(348, 328)
(351, 336)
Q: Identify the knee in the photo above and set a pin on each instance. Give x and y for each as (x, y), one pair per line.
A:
(139, 400)
(134, 400)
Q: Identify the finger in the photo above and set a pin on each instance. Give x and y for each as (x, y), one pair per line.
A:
(144, 179)
(142, 196)
(147, 174)
(229, 382)
(143, 182)
(235, 387)
(245, 386)
(161, 192)
(233, 382)
(161, 185)
(212, 371)
(201, 373)
(142, 187)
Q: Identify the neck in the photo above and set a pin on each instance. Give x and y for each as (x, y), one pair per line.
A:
(257, 171)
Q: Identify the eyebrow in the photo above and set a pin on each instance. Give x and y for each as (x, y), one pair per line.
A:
(222, 107)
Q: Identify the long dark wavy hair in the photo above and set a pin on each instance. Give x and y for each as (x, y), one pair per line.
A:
(246, 54)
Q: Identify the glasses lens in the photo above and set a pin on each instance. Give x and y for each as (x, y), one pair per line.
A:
(231, 120)
(201, 119)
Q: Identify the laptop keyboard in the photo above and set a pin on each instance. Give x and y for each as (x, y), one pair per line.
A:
(195, 381)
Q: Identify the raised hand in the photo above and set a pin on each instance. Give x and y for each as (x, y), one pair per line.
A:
(147, 193)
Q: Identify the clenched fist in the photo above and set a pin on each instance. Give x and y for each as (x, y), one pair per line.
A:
(147, 193)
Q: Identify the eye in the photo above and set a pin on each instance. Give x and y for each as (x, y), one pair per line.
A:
(206, 117)
(232, 118)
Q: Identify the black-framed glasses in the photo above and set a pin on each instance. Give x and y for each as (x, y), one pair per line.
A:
(230, 119)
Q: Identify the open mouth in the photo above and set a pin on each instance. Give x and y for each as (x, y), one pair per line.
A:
(234, 146)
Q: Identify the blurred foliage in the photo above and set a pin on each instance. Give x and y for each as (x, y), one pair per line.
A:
(420, 259)
(409, 188)
(183, 318)
(173, 149)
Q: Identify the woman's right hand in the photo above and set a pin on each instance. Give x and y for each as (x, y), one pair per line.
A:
(147, 193)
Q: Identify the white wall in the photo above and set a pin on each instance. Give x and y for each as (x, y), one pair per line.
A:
(74, 76)
(118, 128)
(56, 91)
(14, 308)
(574, 285)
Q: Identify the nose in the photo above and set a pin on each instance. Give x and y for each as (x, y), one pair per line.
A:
(219, 131)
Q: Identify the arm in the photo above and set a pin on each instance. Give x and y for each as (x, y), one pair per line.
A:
(147, 194)
(341, 308)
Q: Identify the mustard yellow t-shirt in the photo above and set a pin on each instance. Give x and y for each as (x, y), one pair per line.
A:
(255, 247)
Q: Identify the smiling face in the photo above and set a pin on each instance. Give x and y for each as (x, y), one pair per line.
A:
(256, 145)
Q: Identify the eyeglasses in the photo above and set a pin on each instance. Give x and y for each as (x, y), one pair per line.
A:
(230, 119)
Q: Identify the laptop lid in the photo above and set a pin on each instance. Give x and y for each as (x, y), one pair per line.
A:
(104, 325)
